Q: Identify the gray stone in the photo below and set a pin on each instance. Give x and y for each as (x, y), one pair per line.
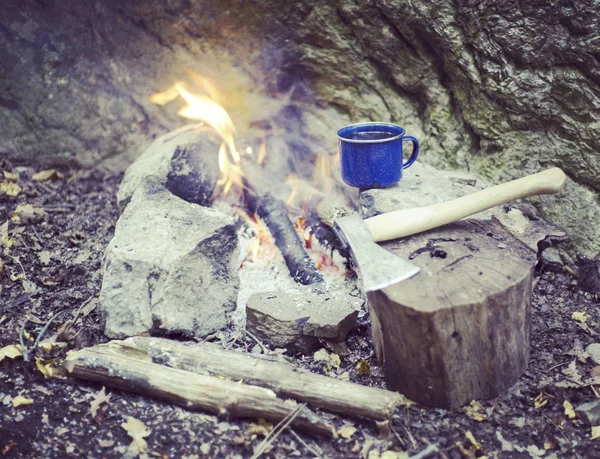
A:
(588, 273)
(421, 185)
(551, 260)
(164, 157)
(296, 319)
(170, 268)
(594, 351)
(590, 412)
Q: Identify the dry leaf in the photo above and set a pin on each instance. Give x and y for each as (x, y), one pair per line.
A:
(261, 428)
(106, 443)
(579, 317)
(19, 400)
(11, 351)
(49, 344)
(595, 433)
(49, 174)
(44, 257)
(137, 430)
(60, 431)
(43, 389)
(46, 367)
(575, 378)
(29, 214)
(475, 411)
(100, 398)
(10, 176)
(569, 411)
(363, 368)
(10, 188)
(331, 360)
(89, 307)
(15, 277)
(5, 239)
(82, 257)
(541, 400)
(346, 432)
(394, 455)
(471, 438)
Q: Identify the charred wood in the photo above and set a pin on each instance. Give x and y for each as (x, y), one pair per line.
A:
(275, 215)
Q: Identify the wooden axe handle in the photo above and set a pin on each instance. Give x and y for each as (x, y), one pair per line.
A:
(400, 223)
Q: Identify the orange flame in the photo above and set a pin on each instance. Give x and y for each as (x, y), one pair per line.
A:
(205, 107)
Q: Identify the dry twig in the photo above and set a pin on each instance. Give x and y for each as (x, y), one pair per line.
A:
(269, 439)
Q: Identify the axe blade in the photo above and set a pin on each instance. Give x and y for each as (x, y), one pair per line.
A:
(379, 268)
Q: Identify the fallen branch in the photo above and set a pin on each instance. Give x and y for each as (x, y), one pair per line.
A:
(112, 365)
(283, 378)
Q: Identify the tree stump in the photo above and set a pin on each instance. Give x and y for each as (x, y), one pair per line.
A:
(460, 329)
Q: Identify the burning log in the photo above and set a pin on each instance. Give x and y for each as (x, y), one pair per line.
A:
(275, 215)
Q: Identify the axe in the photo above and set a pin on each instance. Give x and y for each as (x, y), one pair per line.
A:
(381, 268)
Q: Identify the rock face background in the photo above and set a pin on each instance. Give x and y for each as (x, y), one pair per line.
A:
(500, 89)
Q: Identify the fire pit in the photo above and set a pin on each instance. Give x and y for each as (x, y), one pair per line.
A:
(224, 233)
(185, 199)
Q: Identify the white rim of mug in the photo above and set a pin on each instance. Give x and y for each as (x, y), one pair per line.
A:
(375, 124)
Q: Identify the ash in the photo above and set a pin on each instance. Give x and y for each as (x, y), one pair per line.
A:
(266, 271)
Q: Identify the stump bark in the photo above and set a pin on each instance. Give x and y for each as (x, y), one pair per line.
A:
(460, 329)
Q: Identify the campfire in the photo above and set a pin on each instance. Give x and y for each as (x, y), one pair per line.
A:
(280, 212)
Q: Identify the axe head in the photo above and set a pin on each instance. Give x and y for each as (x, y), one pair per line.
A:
(379, 268)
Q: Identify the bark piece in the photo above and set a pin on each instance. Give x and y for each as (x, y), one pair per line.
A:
(135, 372)
(460, 329)
(282, 377)
(298, 319)
(170, 268)
(588, 273)
(523, 222)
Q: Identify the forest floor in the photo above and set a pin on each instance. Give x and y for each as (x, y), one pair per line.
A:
(53, 232)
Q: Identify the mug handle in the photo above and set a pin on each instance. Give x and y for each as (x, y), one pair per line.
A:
(415, 151)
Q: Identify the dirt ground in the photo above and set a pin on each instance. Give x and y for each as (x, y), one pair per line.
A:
(51, 267)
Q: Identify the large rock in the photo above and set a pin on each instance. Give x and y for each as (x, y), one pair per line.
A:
(171, 268)
(189, 152)
(298, 319)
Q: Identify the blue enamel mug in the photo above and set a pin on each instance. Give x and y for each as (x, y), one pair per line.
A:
(371, 154)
